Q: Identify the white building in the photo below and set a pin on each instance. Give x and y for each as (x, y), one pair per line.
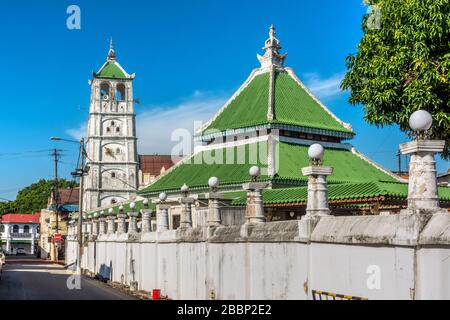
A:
(19, 231)
(111, 143)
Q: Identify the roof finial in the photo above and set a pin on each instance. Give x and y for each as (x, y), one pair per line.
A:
(272, 57)
(111, 53)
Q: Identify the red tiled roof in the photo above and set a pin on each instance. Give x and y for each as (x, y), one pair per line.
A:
(21, 218)
(69, 196)
(152, 164)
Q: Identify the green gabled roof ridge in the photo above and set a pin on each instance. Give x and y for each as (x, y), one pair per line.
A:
(256, 108)
(190, 161)
(291, 73)
(336, 192)
(112, 70)
(348, 168)
(251, 77)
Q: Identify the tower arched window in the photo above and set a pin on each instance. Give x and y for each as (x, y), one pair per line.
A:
(104, 91)
(26, 229)
(120, 92)
(15, 229)
(113, 174)
(2, 228)
(118, 129)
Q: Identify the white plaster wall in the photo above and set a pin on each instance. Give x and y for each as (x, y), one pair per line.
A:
(342, 269)
(270, 270)
(278, 270)
(433, 274)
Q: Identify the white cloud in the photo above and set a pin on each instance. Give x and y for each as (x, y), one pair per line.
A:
(155, 126)
(324, 87)
(78, 133)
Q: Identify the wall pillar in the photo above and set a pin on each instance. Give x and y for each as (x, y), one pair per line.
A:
(317, 204)
(146, 220)
(254, 211)
(214, 218)
(102, 226)
(132, 225)
(162, 217)
(186, 212)
(422, 187)
(122, 224)
(94, 227)
(111, 224)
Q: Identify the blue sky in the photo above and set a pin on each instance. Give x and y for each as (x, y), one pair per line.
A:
(189, 57)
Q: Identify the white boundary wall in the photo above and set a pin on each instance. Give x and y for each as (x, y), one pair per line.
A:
(280, 261)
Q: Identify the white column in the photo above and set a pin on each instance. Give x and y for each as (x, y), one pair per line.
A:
(422, 187)
(146, 220)
(186, 212)
(102, 226)
(254, 211)
(162, 217)
(94, 227)
(214, 218)
(317, 204)
(111, 224)
(122, 224)
(132, 225)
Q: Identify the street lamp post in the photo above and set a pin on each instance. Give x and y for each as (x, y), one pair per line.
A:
(79, 172)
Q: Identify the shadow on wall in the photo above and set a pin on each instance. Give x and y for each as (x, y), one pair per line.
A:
(105, 272)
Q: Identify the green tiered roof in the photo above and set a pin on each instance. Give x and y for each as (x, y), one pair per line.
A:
(293, 105)
(336, 192)
(112, 71)
(348, 167)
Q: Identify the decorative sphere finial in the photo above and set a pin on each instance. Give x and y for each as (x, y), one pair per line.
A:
(254, 172)
(315, 153)
(213, 183)
(132, 205)
(184, 189)
(111, 211)
(121, 209)
(162, 196)
(145, 202)
(420, 122)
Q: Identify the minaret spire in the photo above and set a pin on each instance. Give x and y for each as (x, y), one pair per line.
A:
(111, 53)
(272, 47)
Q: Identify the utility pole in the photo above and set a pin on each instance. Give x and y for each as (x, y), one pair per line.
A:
(399, 156)
(81, 171)
(56, 154)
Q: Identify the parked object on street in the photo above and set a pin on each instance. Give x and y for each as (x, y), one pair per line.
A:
(20, 252)
(2, 258)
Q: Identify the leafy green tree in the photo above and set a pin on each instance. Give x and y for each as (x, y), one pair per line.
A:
(34, 197)
(403, 64)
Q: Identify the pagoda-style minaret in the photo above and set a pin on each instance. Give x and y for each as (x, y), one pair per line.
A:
(111, 145)
(272, 57)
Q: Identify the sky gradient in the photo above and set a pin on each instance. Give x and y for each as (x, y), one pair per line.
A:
(188, 56)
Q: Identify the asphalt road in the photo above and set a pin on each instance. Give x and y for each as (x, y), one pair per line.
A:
(35, 280)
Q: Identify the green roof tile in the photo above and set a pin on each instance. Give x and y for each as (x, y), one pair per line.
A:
(336, 192)
(248, 109)
(293, 106)
(348, 167)
(112, 70)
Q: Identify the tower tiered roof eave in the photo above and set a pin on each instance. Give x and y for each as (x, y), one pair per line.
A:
(112, 69)
(273, 97)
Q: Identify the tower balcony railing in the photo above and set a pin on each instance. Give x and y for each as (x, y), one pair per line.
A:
(16, 235)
